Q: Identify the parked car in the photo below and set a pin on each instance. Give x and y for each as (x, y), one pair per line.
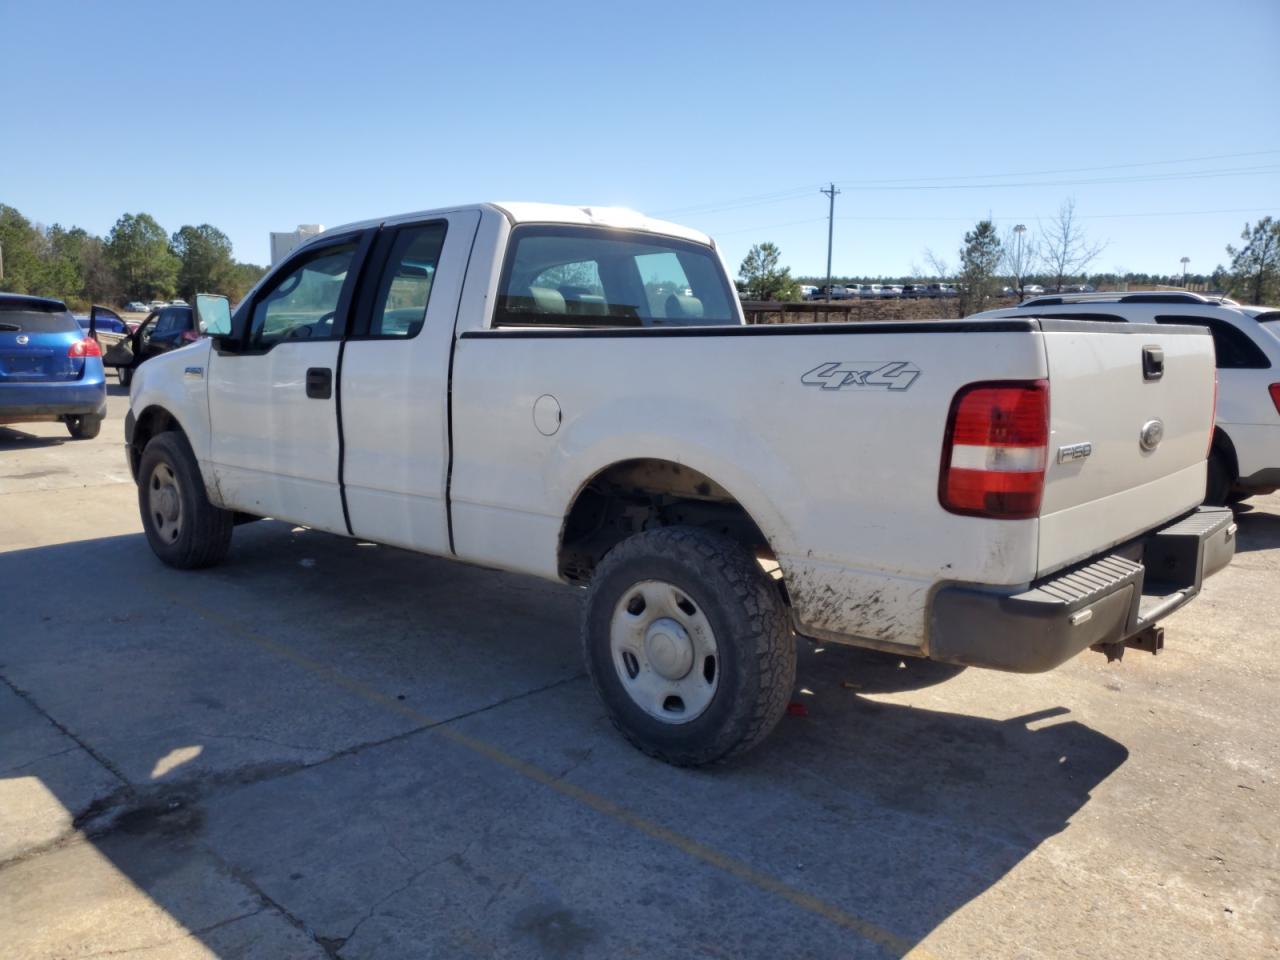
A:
(135, 306)
(913, 291)
(890, 291)
(495, 413)
(837, 291)
(1244, 459)
(942, 290)
(869, 291)
(49, 368)
(1032, 290)
(105, 320)
(808, 292)
(163, 330)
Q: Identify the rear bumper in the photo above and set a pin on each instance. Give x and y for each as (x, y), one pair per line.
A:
(49, 401)
(1104, 600)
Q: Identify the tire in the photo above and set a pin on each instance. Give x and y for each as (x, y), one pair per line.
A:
(1218, 485)
(702, 583)
(184, 529)
(84, 427)
(125, 374)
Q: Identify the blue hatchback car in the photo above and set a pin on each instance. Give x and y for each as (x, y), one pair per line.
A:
(49, 368)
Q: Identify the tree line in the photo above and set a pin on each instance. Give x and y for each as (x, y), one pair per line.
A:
(1053, 255)
(137, 260)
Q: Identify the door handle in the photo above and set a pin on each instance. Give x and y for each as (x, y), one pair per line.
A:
(1152, 363)
(319, 383)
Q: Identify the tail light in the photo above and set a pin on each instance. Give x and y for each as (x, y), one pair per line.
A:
(88, 347)
(996, 449)
(190, 336)
(1275, 395)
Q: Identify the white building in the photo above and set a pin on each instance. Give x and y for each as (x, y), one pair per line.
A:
(283, 243)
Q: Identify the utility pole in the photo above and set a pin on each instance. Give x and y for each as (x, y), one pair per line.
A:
(1019, 230)
(1184, 261)
(830, 192)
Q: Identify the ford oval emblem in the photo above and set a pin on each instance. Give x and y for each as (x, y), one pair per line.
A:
(1151, 435)
(23, 338)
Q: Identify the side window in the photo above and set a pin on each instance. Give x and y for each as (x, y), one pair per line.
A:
(1234, 348)
(167, 324)
(570, 276)
(404, 290)
(302, 304)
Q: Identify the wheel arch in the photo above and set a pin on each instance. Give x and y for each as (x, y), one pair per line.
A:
(628, 496)
(154, 419)
(1223, 445)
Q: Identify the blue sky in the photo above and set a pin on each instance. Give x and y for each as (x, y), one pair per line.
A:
(726, 116)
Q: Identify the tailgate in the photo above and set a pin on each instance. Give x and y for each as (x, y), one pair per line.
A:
(1130, 416)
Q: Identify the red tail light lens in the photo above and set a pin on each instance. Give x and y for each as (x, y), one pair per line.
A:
(87, 347)
(1275, 395)
(996, 449)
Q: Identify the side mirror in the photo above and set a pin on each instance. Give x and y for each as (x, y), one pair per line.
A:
(213, 314)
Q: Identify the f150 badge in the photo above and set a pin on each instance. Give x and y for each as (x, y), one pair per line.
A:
(837, 375)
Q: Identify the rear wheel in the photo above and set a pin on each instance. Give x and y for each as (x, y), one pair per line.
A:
(688, 645)
(84, 427)
(183, 528)
(1218, 485)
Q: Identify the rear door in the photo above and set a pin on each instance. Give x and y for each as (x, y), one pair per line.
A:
(1131, 414)
(35, 343)
(273, 412)
(395, 382)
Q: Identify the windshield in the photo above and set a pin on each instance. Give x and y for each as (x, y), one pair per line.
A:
(566, 276)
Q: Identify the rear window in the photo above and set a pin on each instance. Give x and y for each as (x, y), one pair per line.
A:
(34, 318)
(564, 276)
(1270, 321)
(1234, 349)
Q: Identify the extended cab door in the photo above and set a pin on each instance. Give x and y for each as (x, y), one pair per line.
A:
(272, 402)
(395, 382)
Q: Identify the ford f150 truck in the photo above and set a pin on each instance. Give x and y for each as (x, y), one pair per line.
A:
(572, 393)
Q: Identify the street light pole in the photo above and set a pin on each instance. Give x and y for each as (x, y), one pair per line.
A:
(1020, 229)
(1185, 261)
(830, 192)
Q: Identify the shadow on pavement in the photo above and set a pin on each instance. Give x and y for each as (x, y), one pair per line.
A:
(12, 438)
(270, 718)
(1258, 530)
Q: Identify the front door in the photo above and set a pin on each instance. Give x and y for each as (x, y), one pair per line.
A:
(272, 405)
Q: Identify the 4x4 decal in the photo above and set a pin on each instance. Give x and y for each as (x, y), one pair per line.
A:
(836, 375)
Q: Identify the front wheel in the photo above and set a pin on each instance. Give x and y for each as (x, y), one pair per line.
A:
(688, 644)
(84, 427)
(183, 528)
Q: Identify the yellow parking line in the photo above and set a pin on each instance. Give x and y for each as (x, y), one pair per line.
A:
(891, 942)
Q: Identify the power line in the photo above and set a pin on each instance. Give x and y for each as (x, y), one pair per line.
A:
(1043, 173)
(1024, 217)
(868, 184)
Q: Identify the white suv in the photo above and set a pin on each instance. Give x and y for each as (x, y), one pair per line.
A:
(1245, 457)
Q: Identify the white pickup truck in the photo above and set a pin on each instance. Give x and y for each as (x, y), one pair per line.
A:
(572, 393)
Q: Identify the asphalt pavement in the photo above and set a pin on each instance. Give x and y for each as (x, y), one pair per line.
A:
(326, 748)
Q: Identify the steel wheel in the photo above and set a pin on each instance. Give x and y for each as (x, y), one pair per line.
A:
(664, 652)
(164, 500)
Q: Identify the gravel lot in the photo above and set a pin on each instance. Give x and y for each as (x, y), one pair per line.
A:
(325, 748)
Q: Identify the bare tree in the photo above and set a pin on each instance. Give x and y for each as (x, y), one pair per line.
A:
(1021, 253)
(937, 264)
(1065, 249)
